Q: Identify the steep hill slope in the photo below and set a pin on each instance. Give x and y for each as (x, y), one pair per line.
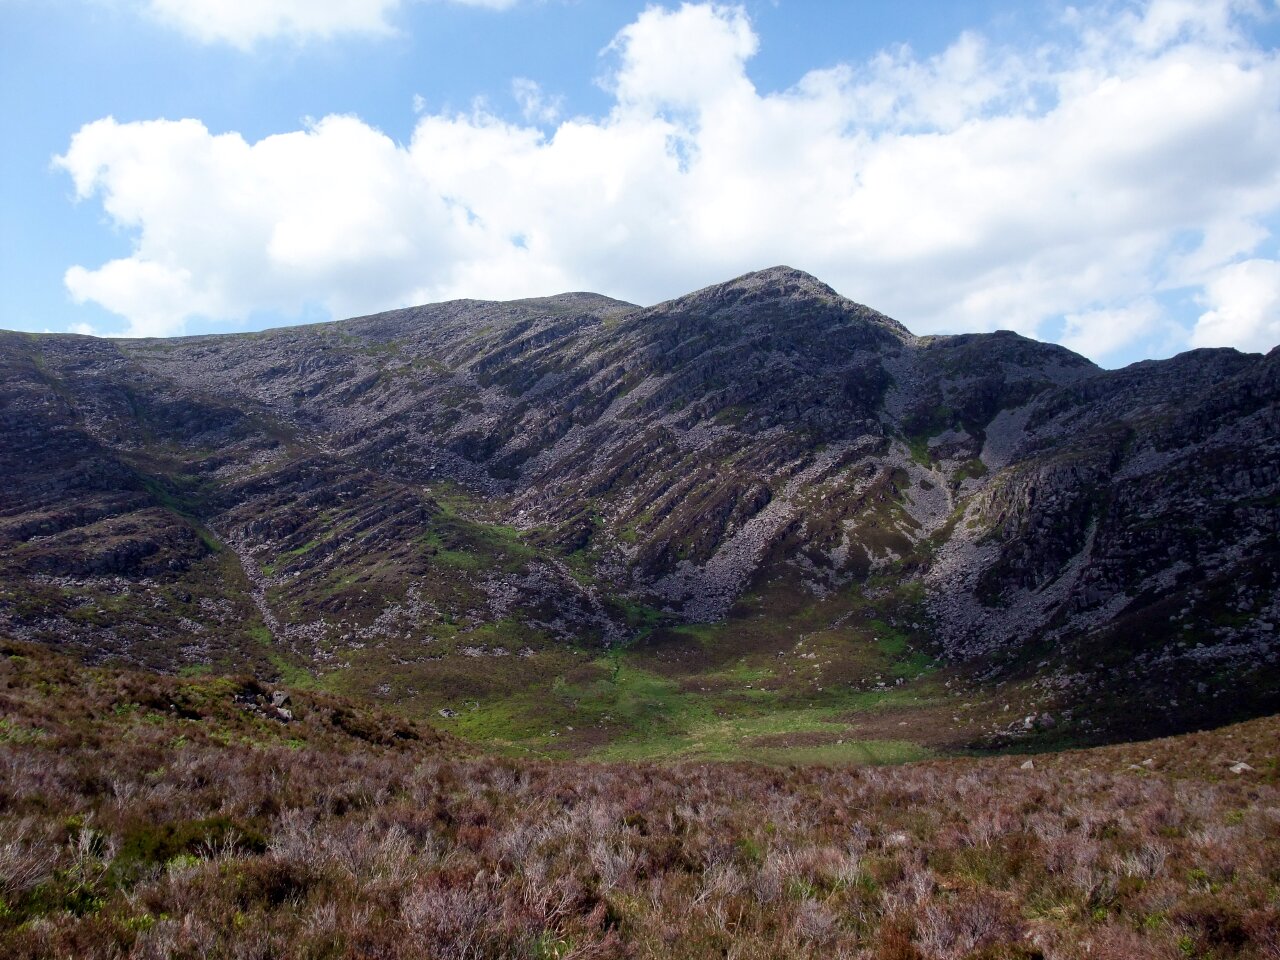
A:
(761, 489)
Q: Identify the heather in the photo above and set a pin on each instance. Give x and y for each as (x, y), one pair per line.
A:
(145, 816)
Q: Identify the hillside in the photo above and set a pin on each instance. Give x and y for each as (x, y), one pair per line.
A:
(148, 816)
(757, 520)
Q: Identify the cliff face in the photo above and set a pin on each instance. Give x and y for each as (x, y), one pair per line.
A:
(499, 476)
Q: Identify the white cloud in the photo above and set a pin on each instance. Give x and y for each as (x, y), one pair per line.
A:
(1245, 308)
(1104, 333)
(243, 23)
(690, 58)
(1221, 242)
(977, 189)
(334, 214)
(486, 4)
(536, 106)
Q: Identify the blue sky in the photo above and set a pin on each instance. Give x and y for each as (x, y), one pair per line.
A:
(1103, 175)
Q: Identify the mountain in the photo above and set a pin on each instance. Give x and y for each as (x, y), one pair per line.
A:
(760, 494)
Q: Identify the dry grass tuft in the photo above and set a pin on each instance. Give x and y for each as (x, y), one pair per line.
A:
(146, 817)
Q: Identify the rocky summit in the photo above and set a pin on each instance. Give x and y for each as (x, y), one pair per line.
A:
(513, 516)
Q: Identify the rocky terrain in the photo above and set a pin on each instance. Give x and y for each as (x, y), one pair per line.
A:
(445, 504)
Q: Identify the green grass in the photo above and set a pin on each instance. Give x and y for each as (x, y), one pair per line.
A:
(694, 732)
(919, 448)
(722, 691)
(505, 723)
(607, 693)
(640, 616)
(460, 542)
(974, 468)
(294, 675)
(617, 706)
(891, 642)
(743, 672)
(299, 551)
(11, 732)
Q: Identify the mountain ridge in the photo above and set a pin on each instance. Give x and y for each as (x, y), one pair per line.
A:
(437, 484)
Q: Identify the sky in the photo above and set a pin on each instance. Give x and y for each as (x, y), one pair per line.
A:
(1102, 175)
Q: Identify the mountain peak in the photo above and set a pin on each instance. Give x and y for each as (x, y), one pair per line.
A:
(779, 280)
(779, 286)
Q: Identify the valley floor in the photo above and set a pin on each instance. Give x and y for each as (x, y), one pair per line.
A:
(146, 816)
(788, 678)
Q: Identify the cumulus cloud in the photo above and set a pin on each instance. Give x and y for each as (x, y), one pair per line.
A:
(243, 23)
(335, 214)
(1101, 333)
(981, 188)
(1245, 307)
(689, 58)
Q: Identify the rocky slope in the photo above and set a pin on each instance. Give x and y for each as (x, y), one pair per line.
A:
(472, 481)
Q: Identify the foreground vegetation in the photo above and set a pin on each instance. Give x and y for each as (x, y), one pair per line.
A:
(144, 816)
